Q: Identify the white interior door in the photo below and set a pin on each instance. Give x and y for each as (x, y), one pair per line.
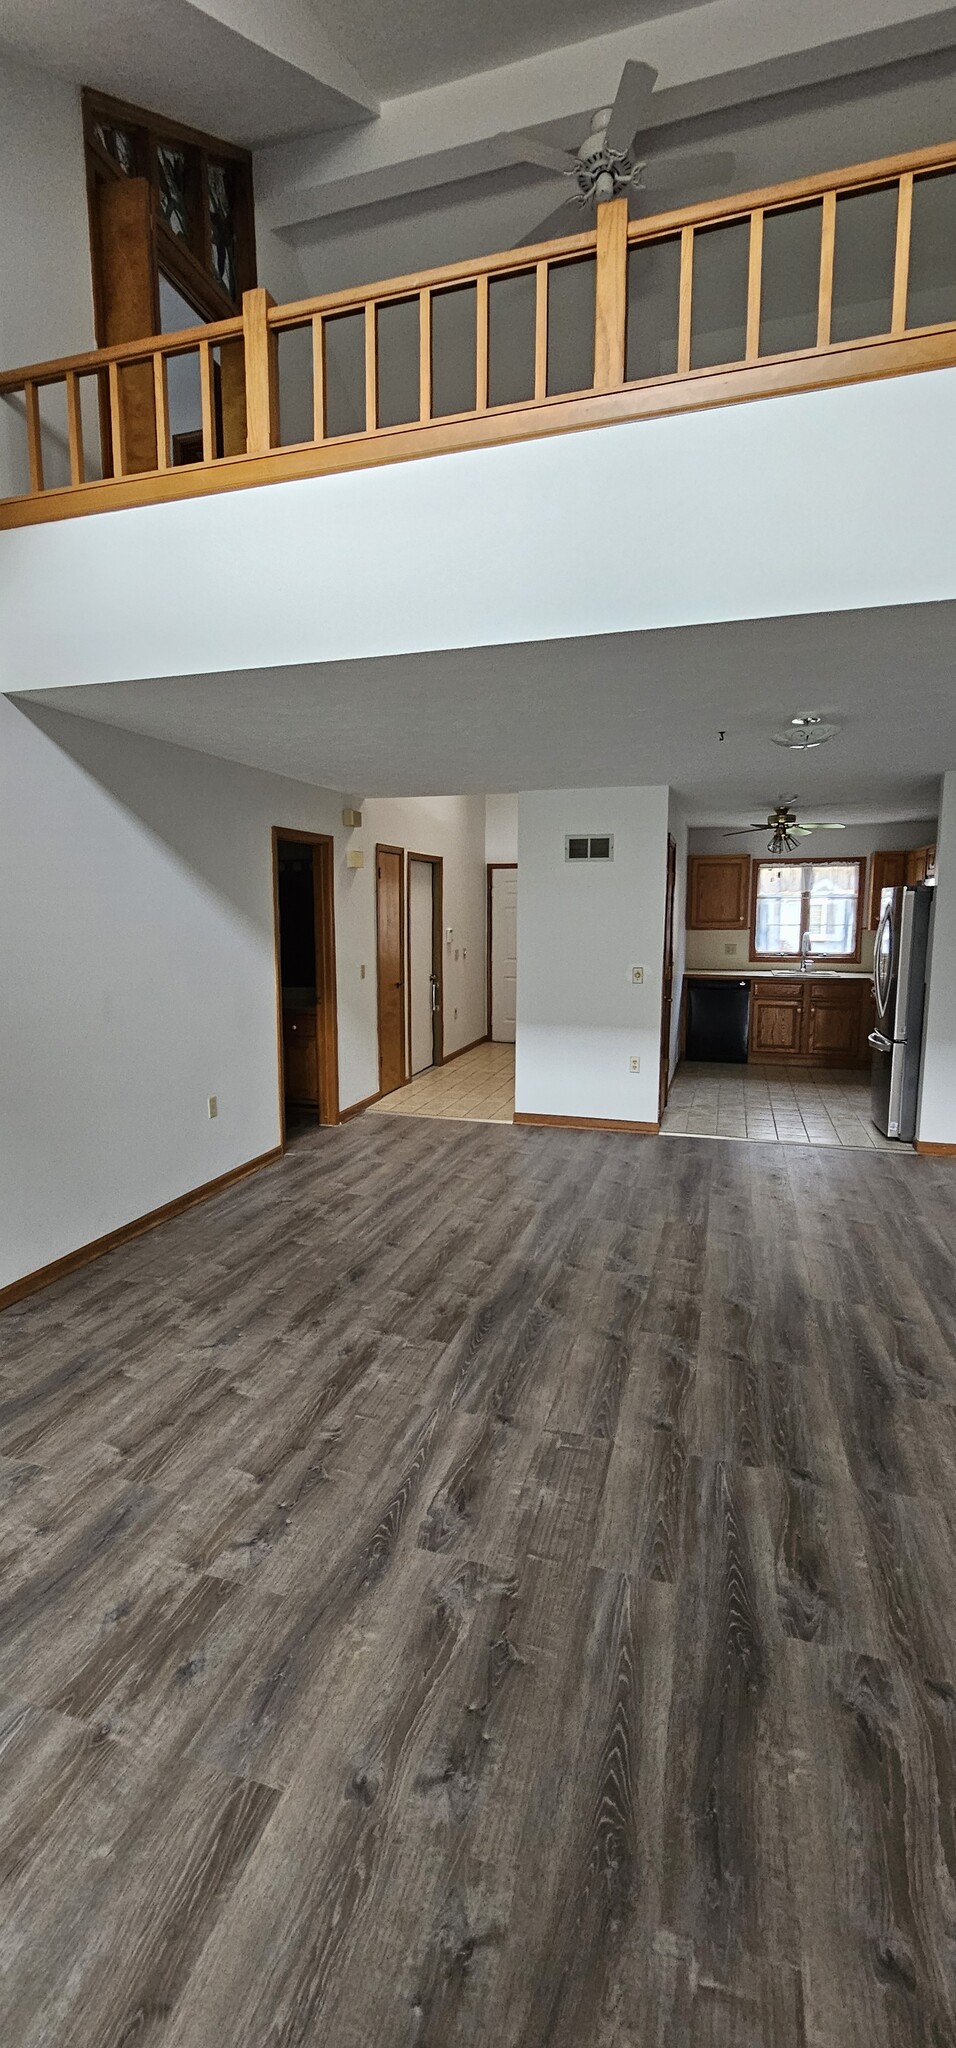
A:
(420, 927)
(504, 953)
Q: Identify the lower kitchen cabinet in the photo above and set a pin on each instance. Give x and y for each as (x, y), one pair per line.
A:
(814, 1023)
(300, 1057)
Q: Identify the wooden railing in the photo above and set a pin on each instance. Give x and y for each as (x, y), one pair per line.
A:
(784, 289)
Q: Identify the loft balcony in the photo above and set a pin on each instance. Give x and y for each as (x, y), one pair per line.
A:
(822, 281)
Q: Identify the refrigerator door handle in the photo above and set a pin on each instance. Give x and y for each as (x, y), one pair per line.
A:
(881, 1044)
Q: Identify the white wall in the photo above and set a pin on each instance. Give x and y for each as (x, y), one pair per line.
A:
(581, 928)
(501, 828)
(937, 1109)
(840, 499)
(136, 934)
(46, 292)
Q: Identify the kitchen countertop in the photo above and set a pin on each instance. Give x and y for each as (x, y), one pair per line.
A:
(776, 974)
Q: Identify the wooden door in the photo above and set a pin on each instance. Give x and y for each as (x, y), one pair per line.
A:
(718, 892)
(390, 956)
(504, 954)
(667, 1002)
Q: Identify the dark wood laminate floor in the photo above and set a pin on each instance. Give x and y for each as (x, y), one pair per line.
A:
(488, 1588)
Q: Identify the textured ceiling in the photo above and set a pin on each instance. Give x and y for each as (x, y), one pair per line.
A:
(400, 49)
(624, 708)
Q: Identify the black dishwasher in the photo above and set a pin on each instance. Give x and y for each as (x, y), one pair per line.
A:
(718, 1020)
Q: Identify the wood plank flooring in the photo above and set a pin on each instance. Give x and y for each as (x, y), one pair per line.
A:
(489, 1588)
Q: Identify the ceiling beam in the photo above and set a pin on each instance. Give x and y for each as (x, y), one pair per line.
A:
(724, 54)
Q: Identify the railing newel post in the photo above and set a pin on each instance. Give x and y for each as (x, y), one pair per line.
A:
(261, 366)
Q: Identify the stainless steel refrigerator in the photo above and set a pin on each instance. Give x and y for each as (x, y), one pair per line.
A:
(899, 984)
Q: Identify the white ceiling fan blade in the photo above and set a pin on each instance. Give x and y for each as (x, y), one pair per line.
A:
(527, 149)
(629, 111)
(569, 219)
(818, 828)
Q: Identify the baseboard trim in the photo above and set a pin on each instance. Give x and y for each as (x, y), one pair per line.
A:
(356, 1108)
(86, 1253)
(457, 1055)
(586, 1123)
(930, 1150)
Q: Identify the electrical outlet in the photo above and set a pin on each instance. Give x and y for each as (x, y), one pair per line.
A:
(637, 973)
(635, 1064)
(362, 971)
(731, 949)
(212, 1105)
(456, 1015)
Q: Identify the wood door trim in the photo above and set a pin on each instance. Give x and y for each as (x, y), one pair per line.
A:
(383, 847)
(491, 865)
(326, 990)
(17, 1290)
(436, 861)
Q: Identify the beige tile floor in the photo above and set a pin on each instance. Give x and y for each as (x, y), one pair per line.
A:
(479, 1087)
(775, 1105)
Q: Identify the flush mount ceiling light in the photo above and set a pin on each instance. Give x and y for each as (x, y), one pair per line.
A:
(805, 732)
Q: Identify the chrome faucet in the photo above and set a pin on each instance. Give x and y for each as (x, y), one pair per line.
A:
(806, 955)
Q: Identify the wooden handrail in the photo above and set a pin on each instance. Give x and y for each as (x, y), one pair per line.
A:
(55, 371)
(146, 455)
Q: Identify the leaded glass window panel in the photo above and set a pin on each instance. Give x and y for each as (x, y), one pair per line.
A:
(173, 203)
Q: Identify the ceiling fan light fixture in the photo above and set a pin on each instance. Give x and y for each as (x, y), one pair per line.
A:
(809, 730)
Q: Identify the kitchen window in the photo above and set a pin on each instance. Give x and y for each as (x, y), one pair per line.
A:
(812, 906)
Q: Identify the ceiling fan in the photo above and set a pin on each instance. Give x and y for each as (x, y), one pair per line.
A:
(608, 162)
(781, 823)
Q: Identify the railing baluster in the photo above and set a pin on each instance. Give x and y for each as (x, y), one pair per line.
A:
(481, 344)
(901, 263)
(318, 377)
(541, 331)
(31, 399)
(685, 300)
(117, 435)
(827, 246)
(754, 284)
(371, 366)
(207, 407)
(610, 295)
(161, 402)
(74, 427)
(425, 354)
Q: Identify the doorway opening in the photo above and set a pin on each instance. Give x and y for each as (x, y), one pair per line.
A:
(303, 881)
(502, 951)
(667, 1004)
(425, 975)
(390, 964)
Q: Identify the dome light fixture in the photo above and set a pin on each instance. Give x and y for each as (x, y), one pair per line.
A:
(809, 730)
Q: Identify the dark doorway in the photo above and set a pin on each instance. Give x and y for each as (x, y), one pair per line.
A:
(390, 959)
(667, 998)
(305, 974)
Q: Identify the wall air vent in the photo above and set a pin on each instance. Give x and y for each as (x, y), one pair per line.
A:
(589, 846)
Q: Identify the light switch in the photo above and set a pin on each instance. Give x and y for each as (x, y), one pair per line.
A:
(212, 1105)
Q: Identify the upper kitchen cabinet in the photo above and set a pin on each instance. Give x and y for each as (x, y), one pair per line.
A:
(921, 864)
(888, 871)
(718, 892)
